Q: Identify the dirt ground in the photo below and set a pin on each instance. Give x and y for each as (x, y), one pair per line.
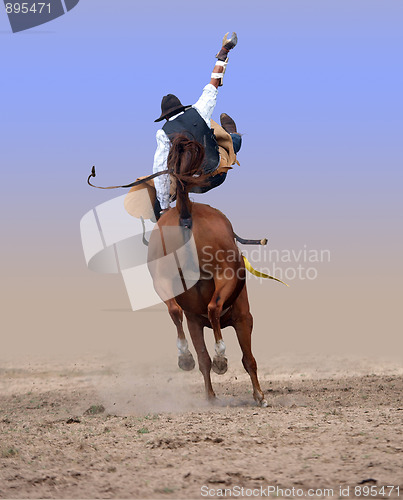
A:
(102, 428)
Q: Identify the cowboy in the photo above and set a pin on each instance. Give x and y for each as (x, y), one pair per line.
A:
(221, 143)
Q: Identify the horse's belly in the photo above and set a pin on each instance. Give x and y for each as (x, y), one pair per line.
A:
(197, 298)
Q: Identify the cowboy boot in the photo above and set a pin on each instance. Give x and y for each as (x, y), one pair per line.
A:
(228, 124)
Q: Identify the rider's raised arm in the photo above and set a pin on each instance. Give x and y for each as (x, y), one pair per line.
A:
(207, 101)
(217, 78)
(219, 69)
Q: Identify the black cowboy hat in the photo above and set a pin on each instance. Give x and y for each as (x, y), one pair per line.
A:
(170, 105)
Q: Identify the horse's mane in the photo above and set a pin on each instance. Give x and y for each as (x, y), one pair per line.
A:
(185, 160)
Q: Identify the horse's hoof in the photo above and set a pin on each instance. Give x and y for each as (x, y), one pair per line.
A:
(220, 365)
(186, 362)
(212, 399)
(215, 401)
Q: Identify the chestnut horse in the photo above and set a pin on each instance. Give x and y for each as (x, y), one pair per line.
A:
(217, 296)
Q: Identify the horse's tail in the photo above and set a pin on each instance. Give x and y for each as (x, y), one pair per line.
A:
(185, 165)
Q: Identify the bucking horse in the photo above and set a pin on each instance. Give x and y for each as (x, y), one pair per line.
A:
(209, 283)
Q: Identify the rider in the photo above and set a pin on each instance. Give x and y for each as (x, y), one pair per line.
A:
(221, 143)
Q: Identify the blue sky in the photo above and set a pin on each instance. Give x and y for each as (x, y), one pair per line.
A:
(315, 86)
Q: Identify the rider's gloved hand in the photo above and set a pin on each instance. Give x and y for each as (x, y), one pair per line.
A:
(227, 45)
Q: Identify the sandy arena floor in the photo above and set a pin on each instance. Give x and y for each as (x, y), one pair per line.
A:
(100, 428)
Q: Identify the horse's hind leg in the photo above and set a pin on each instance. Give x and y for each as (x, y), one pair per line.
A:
(185, 358)
(243, 323)
(195, 326)
(221, 294)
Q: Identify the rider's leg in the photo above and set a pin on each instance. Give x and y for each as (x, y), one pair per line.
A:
(222, 56)
(229, 125)
(236, 141)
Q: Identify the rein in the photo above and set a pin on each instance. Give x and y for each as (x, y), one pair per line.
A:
(135, 183)
(152, 176)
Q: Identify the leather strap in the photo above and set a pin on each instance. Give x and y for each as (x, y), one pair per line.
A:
(135, 183)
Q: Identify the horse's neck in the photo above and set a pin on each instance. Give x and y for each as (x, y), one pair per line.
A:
(183, 204)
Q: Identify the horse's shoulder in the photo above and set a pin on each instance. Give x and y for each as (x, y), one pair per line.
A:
(204, 209)
(209, 218)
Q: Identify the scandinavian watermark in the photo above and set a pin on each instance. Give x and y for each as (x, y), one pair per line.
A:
(286, 264)
(116, 242)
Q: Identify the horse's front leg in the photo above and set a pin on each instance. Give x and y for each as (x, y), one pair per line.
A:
(185, 358)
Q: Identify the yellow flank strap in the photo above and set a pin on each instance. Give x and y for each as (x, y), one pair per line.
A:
(258, 273)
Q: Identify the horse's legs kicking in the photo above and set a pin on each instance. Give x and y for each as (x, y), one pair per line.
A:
(185, 358)
(221, 294)
(195, 327)
(243, 323)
